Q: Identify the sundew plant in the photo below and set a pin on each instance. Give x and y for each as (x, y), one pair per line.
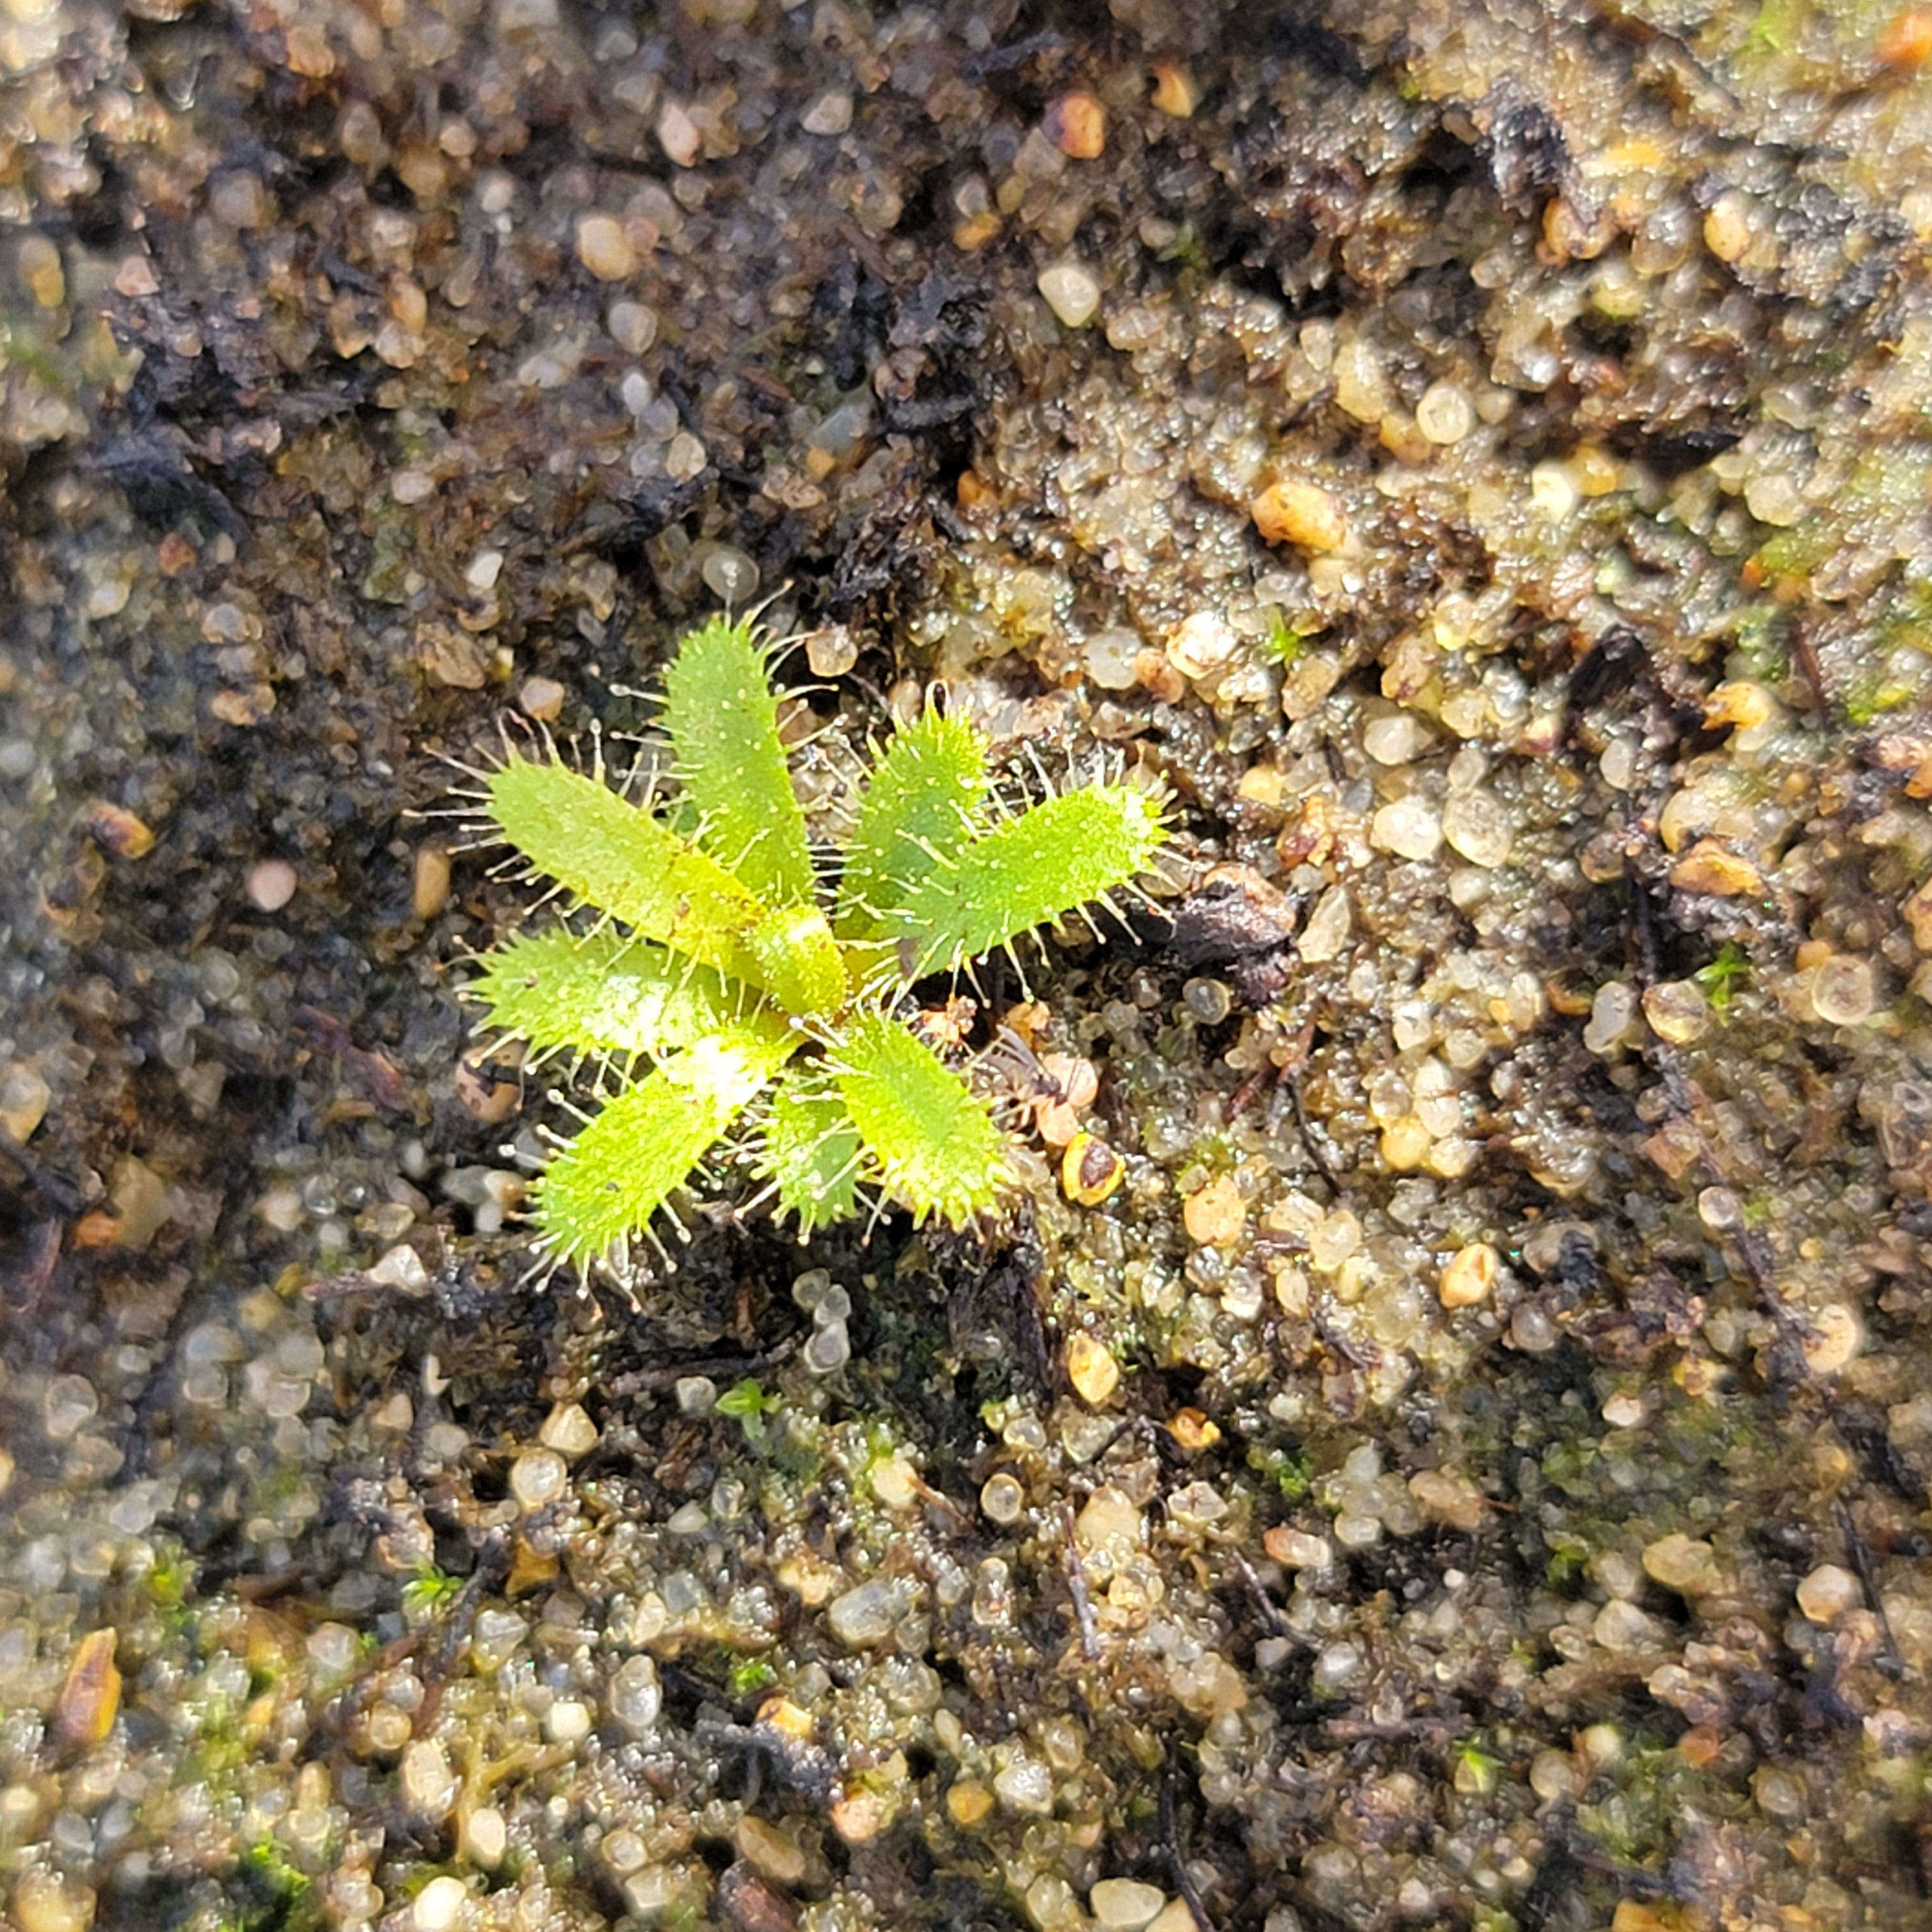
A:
(724, 982)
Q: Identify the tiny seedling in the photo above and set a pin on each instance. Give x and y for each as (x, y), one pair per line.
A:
(728, 980)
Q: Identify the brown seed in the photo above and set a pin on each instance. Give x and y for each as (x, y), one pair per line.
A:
(429, 888)
(1090, 1170)
(116, 830)
(84, 1712)
(1076, 124)
(1174, 92)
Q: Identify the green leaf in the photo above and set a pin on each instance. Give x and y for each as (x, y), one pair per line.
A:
(606, 1185)
(928, 1137)
(800, 960)
(612, 855)
(605, 993)
(1026, 872)
(811, 1150)
(927, 796)
(722, 718)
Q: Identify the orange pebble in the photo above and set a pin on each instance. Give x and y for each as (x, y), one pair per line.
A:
(1906, 41)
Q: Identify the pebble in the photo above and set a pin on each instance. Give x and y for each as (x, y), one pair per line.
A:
(1408, 827)
(1444, 414)
(1478, 828)
(429, 1785)
(1612, 1008)
(832, 651)
(1202, 644)
(1714, 871)
(485, 1837)
(1621, 1628)
(568, 1721)
(43, 1902)
(679, 135)
(1126, 1904)
(1469, 1277)
(1076, 124)
(1296, 1549)
(774, 1852)
(537, 1477)
(429, 881)
(1108, 1528)
(37, 263)
(272, 884)
(69, 1405)
(1552, 1776)
(1829, 1593)
(1396, 738)
(1109, 657)
(1002, 1498)
(1289, 512)
(604, 249)
(1092, 1369)
(1842, 992)
(439, 1904)
(24, 1099)
(90, 1697)
(634, 1697)
(868, 1615)
(633, 325)
(1215, 1215)
(968, 1801)
(569, 1430)
(1071, 290)
(1685, 1563)
(1835, 1339)
(1026, 1786)
(1326, 932)
(1175, 91)
(829, 113)
(1676, 1011)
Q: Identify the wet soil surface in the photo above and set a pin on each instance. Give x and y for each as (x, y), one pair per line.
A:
(1471, 1469)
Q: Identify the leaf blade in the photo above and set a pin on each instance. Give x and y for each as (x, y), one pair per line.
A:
(613, 855)
(928, 1138)
(604, 992)
(1027, 871)
(607, 1182)
(811, 1151)
(928, 794)
(721, 715)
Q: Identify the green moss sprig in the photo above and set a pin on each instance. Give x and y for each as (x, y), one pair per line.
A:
(725, 979)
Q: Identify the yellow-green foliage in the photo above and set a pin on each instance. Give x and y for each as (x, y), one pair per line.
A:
(723, 966)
